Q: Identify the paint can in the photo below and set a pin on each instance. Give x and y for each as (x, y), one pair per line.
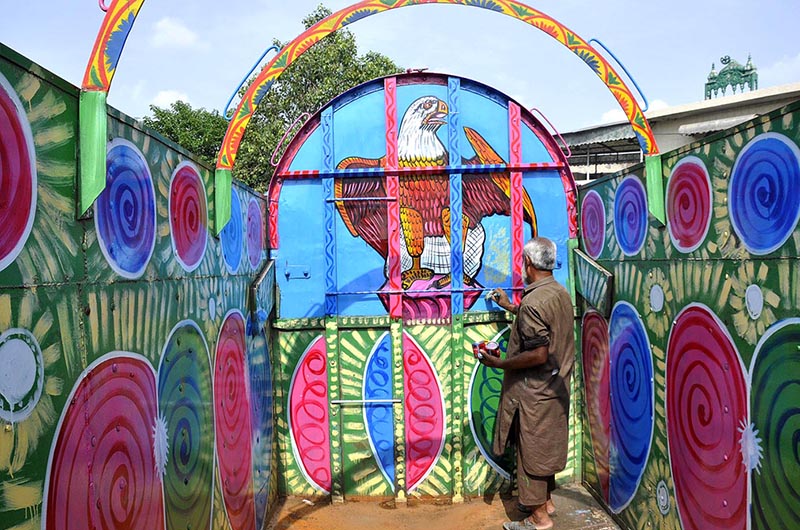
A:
(478, 348)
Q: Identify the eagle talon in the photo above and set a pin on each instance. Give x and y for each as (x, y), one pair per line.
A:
(412, 275)
(444, 281)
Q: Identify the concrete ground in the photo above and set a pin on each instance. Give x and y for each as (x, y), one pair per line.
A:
(576, 510)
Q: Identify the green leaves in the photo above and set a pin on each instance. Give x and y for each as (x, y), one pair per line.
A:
(326, 70)
(198, 130)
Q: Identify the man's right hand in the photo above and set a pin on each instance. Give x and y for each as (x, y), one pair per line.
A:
(501, 298)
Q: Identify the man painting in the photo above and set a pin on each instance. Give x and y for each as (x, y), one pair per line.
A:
(534, 404)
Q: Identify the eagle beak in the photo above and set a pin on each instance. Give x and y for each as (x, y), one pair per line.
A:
(437, 118)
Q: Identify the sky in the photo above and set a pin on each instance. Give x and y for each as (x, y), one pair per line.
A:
(199, 50)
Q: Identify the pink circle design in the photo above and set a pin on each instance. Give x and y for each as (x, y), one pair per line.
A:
(424, 411)
(596, 375)
(593, 224)
(188, 216)
(706, 403)
(102, 471)
(233, 423)
(688, 204)
(255, 233)
(308, 415)
(17, 175)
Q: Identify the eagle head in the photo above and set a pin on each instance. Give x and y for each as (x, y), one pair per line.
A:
(417, 143)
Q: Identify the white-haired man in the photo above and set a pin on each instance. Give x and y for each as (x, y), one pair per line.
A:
(534, 404)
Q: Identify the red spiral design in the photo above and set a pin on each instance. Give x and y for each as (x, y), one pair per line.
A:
(424, 411)
(17, 176)
(188, 216)
(688, 204)
(233, 423)
(102, 471)
(308, 409)
(596, 376)
(706, 402)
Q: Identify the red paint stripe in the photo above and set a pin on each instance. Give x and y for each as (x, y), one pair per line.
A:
(517, 232)
(392, 190)
(274, 198)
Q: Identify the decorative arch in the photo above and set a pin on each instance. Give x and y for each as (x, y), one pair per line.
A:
(122, 14)
(263, 82)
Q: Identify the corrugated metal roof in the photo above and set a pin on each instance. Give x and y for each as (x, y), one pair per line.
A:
(702, 127)
(610, 133)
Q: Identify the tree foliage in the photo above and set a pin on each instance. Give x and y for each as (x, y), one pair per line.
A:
(328, 69)
(198, 130)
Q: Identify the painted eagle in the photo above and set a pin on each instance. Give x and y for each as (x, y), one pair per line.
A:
(425, 199)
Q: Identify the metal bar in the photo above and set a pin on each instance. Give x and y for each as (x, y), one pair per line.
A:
(226, 111)
(456, 200)
(420, 291)
(362, 401)
(517, 230)
(392, 186)
(460, 168)
(361, 199)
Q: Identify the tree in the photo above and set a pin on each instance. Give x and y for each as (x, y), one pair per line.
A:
(198, 130)
(330, 68)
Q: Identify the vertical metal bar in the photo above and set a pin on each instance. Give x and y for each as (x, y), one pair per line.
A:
(517, 233)
(399, 392)
(456, 201)
(392, 190)
(457, 296)
(576, 410)
(334, 411)
(331, 300)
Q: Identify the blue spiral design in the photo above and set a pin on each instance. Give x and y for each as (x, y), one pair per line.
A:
(125, 212)
(379, 418)
(631, 385)
(630, 215)
(232, 236)
(261, 410)
(763, 202)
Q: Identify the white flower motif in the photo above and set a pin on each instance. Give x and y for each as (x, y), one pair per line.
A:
(750, 443)
(160, 446)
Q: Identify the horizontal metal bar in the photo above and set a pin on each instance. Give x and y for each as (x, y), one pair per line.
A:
(461, 168)
(363, 401)
(443, 292)
(362, 199)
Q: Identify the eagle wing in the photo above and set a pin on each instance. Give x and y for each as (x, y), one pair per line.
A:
(363, 218)
(484, 197)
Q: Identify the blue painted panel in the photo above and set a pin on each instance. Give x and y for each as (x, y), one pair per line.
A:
(547, 194)
(309, 156)
(533, 150)
(488, 118)
(364, 271)
(300, 225)
(379, 418)
(495, 268)
(359, 128)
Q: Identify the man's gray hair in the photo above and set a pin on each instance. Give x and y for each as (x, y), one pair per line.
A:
(541, 252)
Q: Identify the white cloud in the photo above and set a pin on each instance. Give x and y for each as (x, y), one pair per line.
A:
(786, 70)
(616, 114)
(171, 33)
(165, 98)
